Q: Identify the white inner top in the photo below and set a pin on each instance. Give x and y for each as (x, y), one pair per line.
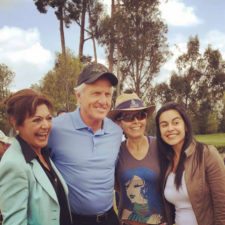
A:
(184, 214)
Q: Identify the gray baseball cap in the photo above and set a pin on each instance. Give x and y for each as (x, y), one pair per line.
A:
(93, 72)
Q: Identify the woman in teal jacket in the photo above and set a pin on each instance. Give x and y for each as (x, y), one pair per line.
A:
(32, 191)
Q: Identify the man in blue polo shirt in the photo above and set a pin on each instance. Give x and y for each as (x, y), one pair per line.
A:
(85, 146)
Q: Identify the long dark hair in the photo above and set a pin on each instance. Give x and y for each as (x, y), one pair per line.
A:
(166, 152)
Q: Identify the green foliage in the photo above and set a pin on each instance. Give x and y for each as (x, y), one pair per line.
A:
(198, 83)
(222, 118)
(59, 7)
(217, 139)
(6, 77)
(59, 83)
(212, 123)
(151, 127)
(42, 6)
(140, 42)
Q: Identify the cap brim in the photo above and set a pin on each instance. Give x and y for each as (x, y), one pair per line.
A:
(110, 76)
(113, 113)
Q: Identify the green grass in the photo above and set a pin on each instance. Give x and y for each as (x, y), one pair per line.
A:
(212, 139)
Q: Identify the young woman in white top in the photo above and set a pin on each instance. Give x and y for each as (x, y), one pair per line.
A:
(192, 173)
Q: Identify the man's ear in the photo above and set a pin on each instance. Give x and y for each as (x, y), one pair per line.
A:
(77, 94)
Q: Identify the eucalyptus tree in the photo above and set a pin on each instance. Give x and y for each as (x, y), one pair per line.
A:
(139, 35)
(6, 78)
(86, 14)
(59, 6)
(59, 82)
(198, 83)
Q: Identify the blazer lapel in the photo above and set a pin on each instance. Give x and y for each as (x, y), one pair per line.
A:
(43, 180)
(60, 177)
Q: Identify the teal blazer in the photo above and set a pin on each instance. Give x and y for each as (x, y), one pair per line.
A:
(27, 196)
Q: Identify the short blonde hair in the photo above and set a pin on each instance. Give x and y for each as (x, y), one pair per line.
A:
(80, 88)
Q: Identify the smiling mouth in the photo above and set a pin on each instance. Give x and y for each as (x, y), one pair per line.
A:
(171, 135)
(132, 196)
(135, 128)
(42, 136)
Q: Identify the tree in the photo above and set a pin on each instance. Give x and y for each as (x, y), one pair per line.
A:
(59, 6)
(199, 83)
(162, 93)
(59, 83)
(105, 31)
(222, 118)
(83, 11)
(140, 42)
(6, 77)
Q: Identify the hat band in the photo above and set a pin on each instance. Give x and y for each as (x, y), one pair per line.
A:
(134, 103)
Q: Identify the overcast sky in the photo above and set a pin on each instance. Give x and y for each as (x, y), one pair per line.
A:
(29, 40)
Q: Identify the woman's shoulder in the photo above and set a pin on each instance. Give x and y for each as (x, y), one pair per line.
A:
(211, 153)
(13, 157)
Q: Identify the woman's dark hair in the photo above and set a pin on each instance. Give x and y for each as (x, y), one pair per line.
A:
(24, 103)
(166, 152)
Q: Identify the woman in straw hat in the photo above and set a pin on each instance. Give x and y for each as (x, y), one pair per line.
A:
(137, 171)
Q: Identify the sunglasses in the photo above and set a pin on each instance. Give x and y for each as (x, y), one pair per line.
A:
(129, 117)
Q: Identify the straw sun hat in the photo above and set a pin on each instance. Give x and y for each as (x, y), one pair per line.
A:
(128, 103)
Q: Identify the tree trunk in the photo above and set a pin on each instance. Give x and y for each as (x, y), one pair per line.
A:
(94, 48)
(92, 37)
(111, 46)
(118, 87)
(82, 27)
(62, 37)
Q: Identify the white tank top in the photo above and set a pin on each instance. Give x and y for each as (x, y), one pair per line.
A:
(184, 214)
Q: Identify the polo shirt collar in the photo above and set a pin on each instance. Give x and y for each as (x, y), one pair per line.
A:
(28, 152)
(79, 123)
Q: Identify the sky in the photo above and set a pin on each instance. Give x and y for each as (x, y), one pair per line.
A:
(29, 40)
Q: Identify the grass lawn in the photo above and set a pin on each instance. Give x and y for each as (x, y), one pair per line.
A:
(213, 139)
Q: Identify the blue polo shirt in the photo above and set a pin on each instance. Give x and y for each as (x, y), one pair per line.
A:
(86, 160)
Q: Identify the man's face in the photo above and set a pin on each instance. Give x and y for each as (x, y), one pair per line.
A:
(95, 101)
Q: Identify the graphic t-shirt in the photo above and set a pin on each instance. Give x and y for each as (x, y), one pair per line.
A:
(139, 196)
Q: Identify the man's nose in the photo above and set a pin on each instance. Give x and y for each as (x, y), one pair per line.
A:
(103, 99)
